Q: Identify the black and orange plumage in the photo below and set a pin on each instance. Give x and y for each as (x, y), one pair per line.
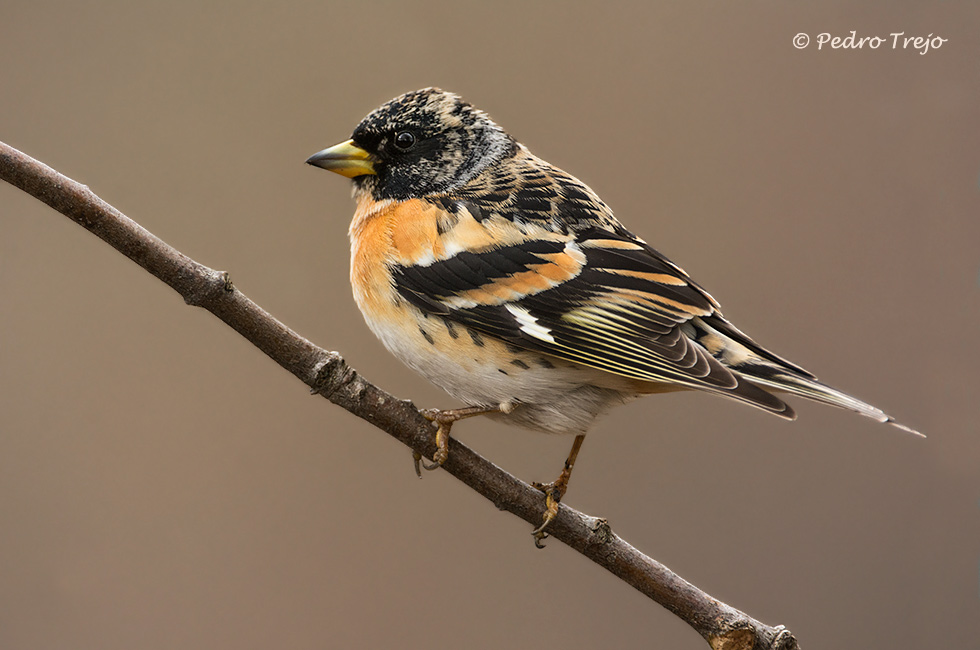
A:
(509, 283)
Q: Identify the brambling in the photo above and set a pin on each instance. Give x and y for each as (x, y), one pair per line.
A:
(510, 284)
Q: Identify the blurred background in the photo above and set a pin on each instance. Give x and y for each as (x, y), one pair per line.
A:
(164, 485)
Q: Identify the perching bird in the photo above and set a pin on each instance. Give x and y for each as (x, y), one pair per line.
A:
(510, 284)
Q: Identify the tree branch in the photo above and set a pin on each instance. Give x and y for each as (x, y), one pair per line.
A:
(326, 373)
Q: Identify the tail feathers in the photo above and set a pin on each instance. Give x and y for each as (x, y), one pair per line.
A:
(818, 392)
(768, 371)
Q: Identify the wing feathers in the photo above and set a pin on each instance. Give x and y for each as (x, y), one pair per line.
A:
(590, 299)
(598, 297)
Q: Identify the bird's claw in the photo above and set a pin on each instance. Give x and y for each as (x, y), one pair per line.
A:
(444, 420)
(553, 492)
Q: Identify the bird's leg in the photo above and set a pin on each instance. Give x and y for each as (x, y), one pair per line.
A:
(445, 420)
(554, 491)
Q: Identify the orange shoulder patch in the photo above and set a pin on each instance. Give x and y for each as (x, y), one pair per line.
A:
(414, 233)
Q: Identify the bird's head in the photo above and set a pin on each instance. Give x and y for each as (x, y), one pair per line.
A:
(424, 142)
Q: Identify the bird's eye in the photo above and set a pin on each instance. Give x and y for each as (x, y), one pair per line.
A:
(404, 140)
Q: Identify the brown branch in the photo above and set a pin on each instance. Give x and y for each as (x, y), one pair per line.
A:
(328, 375)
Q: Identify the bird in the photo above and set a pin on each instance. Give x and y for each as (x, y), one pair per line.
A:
(510, 284)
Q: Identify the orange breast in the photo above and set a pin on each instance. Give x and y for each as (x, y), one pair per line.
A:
(386, 233)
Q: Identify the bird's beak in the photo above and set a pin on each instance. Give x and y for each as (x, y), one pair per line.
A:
(346, 159)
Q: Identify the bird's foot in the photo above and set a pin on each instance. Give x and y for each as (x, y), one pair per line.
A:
(444, 420)
(553, 493)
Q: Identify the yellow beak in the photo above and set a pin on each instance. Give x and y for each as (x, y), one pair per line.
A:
(346, 159)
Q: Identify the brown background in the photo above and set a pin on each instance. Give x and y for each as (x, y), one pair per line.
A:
(163, 485)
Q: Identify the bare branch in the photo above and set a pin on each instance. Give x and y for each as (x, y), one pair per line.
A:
(326, 373)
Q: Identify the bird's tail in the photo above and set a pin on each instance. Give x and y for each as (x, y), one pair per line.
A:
(769, 371)
(820, 392)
